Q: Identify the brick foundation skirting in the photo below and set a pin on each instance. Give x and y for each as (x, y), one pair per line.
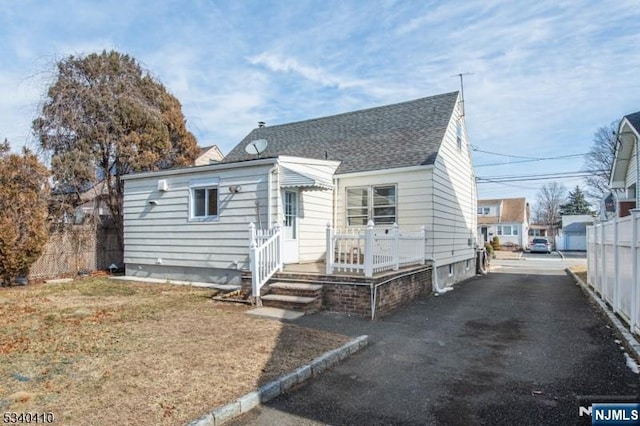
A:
(354, 295)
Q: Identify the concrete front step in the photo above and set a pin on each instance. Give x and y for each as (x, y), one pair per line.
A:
(296, 289)
(296, 286)
(296, 303)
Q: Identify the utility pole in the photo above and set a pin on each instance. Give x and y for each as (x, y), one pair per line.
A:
(462, 88)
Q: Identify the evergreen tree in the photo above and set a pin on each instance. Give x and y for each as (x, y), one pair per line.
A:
(576, 203)
(24, 193)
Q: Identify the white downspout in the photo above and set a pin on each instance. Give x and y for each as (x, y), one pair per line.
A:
(434, 274)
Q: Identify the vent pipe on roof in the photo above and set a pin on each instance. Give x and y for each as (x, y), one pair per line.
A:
(261, 123)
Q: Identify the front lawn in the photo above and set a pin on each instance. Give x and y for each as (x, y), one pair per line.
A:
(98, 351)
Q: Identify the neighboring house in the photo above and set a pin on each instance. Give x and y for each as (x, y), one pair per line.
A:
(536, 230)
(506, 218)
(407, 163)
(625, 176)
(91, 202)
(573, 235)
(209, 155)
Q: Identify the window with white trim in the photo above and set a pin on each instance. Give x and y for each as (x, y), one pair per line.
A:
(507, 230)
(484, 210)
(459, 135)
(377, 203)
(203, 200)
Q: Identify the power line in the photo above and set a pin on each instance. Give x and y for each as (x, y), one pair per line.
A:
(476, 149)
(531, 160)
(544, 176)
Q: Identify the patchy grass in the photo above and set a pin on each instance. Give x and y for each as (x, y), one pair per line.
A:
(98, 351)
(580, 271)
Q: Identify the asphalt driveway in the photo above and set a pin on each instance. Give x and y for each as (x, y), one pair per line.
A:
(507, 348)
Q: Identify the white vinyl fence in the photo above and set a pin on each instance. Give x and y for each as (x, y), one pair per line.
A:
(613, 258)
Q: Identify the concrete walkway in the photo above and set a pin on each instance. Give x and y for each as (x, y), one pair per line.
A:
(507, 348)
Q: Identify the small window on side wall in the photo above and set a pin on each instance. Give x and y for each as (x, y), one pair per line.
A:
(204, 201)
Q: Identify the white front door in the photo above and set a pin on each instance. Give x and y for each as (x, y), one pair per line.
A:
(290, 226)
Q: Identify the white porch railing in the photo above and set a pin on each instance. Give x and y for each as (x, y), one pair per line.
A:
(613, 265)
(373, 250)
(265, 254)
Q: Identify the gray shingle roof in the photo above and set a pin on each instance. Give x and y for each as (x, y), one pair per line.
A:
(399, 135)
(634, 119)
(576, 228)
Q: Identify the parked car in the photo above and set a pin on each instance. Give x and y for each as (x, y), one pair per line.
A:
(540, 245)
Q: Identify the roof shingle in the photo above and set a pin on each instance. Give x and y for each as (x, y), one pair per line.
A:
(398, 135)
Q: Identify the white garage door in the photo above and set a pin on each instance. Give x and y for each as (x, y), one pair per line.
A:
(576, 242)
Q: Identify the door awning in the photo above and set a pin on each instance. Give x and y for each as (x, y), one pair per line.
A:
(290, 178)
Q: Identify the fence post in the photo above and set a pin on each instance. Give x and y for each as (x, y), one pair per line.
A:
(635, 267)
(616, 274)
(330, 249)
(368, 250)
(277, 230)
(423, 246)
(395, 246)
(253, 261)
(603, 264)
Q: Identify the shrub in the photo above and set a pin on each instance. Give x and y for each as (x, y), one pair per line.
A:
(496, 243)
(24, 195)
(489, 248)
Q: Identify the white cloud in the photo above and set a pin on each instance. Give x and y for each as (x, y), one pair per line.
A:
(545, 75)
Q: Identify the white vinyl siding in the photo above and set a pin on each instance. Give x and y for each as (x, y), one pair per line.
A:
(315, 208)
(412, 193)
(166, 231)
(630, 178)
(455, 211)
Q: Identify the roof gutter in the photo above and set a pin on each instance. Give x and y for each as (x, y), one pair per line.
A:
(200, 169)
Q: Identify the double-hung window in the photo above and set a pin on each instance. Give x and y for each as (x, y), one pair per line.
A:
(203, 199)
(377, 203)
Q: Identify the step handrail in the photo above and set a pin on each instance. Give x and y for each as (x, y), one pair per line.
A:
(265, 255)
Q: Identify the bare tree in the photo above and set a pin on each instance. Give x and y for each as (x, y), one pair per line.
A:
(550, 198)
(599, 162)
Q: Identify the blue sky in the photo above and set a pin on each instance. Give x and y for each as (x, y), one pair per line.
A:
(545, 74)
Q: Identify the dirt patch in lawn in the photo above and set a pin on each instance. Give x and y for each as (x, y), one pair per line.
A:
(98, 351)
(580, 271)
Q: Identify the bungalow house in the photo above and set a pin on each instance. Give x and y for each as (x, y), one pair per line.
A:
(506, 218)
(625, 176)
(345, 190)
